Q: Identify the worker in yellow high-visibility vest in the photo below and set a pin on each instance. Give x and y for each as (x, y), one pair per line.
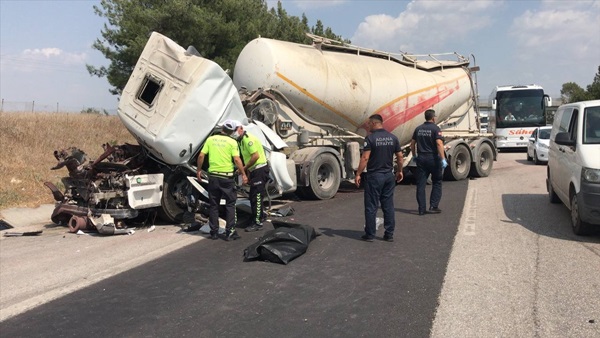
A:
(221, 150)
(255, 164)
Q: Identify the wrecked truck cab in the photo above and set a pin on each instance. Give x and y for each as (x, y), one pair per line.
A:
(174, 100)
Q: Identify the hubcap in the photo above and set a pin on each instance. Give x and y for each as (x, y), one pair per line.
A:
(484, 161)
(460, 162)
(574, 211)
(324, 176)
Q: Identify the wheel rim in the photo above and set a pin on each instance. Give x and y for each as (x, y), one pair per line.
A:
(484, 160)
(177, 192)
(461, 162)
(325, 176)
(574, 212)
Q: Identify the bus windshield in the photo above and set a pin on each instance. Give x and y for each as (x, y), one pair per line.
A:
(520, 108)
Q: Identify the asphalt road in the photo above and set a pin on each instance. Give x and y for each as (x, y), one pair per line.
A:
(500, 261)
(341, 287)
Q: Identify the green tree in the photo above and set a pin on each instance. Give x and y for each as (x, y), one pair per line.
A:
(218, 29)
(572, 92)
(594, 89)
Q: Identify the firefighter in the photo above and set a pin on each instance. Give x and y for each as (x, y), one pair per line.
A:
(221, 150)
(255, 164)
(378, 158)
(427, 147)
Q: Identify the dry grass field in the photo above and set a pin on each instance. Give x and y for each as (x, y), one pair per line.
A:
(27, 144)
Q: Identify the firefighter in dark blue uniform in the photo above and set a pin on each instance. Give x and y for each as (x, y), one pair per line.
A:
(427, 146)
(378, 158)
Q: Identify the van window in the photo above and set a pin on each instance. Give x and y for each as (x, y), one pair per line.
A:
(564, 121)
(573, 125)
(591, 122)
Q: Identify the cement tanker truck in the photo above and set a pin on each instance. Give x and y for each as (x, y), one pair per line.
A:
(318, 98)
(307, 103)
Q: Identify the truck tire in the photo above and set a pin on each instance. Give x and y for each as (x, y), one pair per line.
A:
(324, 178)
(173, 199)
(460, 164)
(483, 161)
(579, 227)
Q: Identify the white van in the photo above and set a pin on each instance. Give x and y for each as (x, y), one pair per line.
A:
(574, 163)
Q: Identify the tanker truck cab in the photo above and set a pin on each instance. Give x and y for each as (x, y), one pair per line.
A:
(573, 173)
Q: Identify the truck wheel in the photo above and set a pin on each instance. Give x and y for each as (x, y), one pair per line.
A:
(579, 227)
(324, 178)
(484, 161)
(460, 164)
(529, 158)
(173, 203)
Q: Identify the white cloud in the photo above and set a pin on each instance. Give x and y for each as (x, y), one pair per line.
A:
(46, 52)
(55, 54)
(426, 24)
(572, 31)
(44, 59)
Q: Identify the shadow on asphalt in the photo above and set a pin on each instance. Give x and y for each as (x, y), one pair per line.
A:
(352, 234)
(551, 221)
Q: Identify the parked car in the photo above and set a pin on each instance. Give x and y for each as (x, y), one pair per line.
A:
(573, 174)
(537, 148)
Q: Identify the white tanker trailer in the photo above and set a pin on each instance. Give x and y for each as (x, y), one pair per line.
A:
(319, 97)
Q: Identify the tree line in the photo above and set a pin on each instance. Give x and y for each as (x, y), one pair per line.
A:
(572, 92)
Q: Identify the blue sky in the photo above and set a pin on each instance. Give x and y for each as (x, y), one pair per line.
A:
(45, 45)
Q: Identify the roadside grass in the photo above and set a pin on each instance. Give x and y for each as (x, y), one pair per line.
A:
(27, 145)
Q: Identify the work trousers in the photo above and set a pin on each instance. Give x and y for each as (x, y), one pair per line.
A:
(379, 190)
(221, 188)
(258, 179)
(429, 165)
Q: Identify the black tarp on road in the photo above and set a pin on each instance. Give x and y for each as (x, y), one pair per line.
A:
(283, 244)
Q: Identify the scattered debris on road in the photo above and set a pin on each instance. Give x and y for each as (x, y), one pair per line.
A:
(25, 233)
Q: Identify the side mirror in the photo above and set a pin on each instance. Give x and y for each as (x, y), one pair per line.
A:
(531, 139)
(547, 100)
(564, 139)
